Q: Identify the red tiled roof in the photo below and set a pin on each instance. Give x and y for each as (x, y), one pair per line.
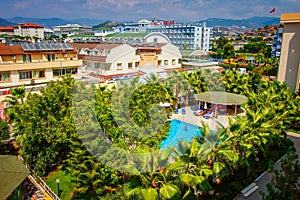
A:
(93, 58)
(6, 50)
(6, 28)
(29, 25)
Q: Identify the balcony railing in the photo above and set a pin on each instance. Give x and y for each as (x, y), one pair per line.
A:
(40, 65)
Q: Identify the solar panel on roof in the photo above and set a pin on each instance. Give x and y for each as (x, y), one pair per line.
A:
(37, 46)
(31, 47)
(64, 46)
(70, 46)
(43, 46)
(61, 47)
(48, 47)
(25, 47)
(53, 46)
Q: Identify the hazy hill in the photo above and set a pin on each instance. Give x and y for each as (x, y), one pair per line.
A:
(106, 25)
(50, 22)
(253, 22)
(4, 22)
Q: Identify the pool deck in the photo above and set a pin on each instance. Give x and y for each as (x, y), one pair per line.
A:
(189, 117)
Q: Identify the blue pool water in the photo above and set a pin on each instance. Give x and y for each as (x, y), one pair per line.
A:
(180, 131)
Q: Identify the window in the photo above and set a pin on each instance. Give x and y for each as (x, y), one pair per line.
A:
(96, 65)
(137, 64)
(130, 65)
(51, 57)
(64, 71)
(173, 62)
(26, 58)
(119, 66)
(38, 74)
(159, 62)
(25, 75)
(166, 62)
(4, 77)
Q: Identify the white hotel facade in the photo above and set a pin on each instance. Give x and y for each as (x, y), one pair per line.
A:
(186, 36)
(195, 36)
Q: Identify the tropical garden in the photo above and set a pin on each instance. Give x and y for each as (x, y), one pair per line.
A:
(105, 142)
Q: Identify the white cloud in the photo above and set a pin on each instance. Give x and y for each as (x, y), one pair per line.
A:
(114, 4)
(20, 5)
(67, 1)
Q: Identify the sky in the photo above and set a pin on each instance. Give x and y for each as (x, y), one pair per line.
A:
(133, 10)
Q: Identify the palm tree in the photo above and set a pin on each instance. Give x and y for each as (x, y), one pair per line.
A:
(180, 85)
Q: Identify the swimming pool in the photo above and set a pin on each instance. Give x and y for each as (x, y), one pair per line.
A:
(180, 131)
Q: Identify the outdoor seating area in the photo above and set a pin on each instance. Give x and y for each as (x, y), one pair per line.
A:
(219, 103)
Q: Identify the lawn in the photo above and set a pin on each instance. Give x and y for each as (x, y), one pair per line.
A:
(65, 186)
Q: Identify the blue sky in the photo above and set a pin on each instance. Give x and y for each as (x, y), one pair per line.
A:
(125, 10)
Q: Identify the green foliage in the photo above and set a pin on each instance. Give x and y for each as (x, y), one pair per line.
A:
(4, 134)
(228, 51)
(257, 47)
(238, 83)
(43, 124)
(284, 183)
(72, 125)
(90, 177)
(65, 185)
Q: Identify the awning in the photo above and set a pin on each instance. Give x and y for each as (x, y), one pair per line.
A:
(219, 97)
(12, 172)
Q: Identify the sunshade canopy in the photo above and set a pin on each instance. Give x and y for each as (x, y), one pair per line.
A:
(12, 173)
(220, 97)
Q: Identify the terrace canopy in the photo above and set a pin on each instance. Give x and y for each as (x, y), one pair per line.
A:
(221, 97)
(12, 172)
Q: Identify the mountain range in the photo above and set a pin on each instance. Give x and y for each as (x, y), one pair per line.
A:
(253, 22)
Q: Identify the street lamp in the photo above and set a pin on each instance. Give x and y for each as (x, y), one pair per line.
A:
(57, 182)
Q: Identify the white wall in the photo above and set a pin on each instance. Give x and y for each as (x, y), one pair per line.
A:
(198, 38)
(122, 54)
(169, 52)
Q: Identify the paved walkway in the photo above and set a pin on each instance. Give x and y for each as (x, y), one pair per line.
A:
(189, 117)
(261, 182)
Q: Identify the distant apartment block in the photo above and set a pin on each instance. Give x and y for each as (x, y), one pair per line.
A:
(185, 36)
(133, 27)
(289, 67)
(72, 29)
(103, 32)
(29, 30)
(276, 47)
(25, 30)
(7, 30)
(37, 63)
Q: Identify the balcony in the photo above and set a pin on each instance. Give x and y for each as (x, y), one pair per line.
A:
(40, 65)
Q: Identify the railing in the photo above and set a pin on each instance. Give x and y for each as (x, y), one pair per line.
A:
(38, 180)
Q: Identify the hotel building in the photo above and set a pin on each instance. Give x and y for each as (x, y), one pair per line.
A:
(30, 30)
(110, 59)
(276, 47)
(185, 36)
(289, 66)
(72, 29)
(36, 63)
